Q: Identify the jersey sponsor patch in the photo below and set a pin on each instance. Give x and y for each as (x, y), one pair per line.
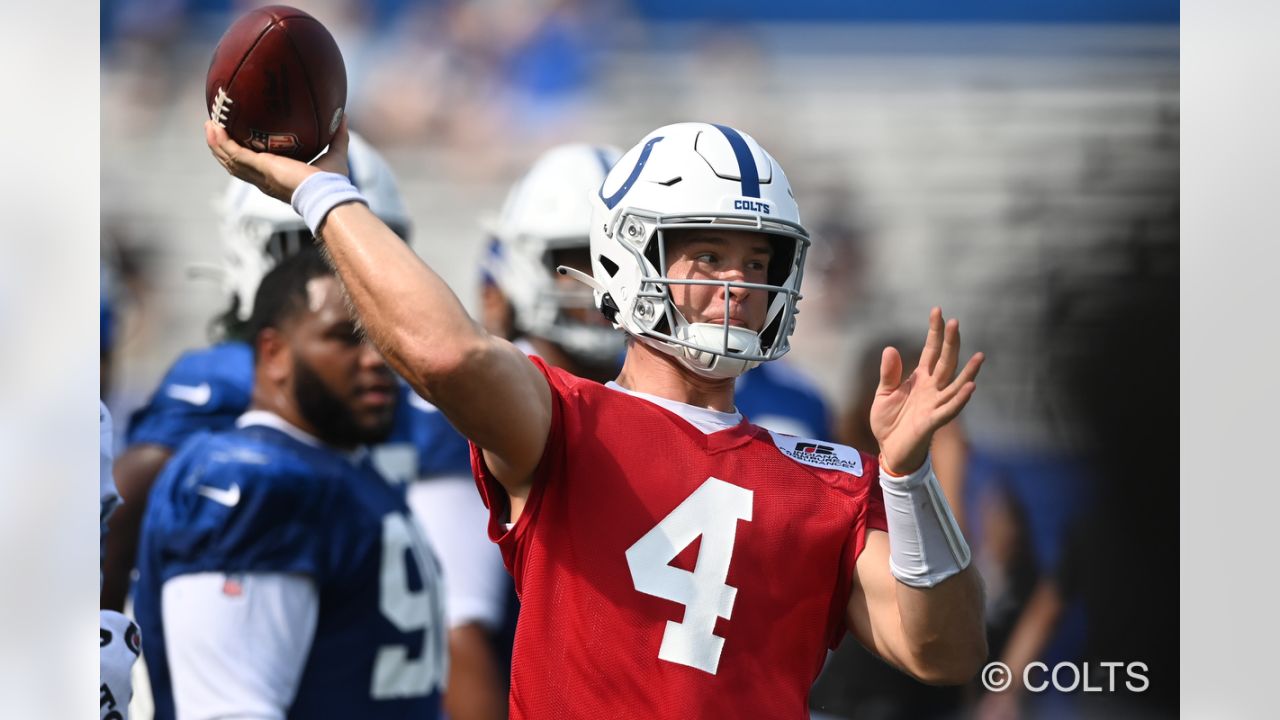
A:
(818, 453)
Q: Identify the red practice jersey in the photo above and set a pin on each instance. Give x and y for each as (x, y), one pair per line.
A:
(668, 573)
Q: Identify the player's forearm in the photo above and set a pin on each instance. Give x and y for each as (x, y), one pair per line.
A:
(425, 333)
(135, 471)
(476, 690)
(938, 593)
(118, 559)
(410, 313)
(943, 629)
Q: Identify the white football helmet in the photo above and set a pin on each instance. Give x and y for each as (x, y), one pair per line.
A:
(259, 231)
(549, 210)
(690, 176)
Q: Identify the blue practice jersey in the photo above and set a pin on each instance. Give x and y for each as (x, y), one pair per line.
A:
(207, 389)
(256, 500)
(778, 397)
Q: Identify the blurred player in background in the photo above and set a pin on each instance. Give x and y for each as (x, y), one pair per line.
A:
(597, 492)
(544, 223)
(118, 640)
(208, 389)
(280, 574)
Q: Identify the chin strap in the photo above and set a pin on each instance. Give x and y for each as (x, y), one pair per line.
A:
(715, 365)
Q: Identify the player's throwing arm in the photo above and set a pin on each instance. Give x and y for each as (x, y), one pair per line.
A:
(417, 322)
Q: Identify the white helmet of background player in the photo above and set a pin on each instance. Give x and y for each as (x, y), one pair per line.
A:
(549, 210)
(694, 176)
(259, 231)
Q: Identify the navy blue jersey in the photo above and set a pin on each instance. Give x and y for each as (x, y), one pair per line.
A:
(256, 500)
(776, 396)
(204, 390)
(207, 389)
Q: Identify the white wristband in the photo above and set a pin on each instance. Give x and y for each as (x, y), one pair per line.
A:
(319, 194)
(925, 542)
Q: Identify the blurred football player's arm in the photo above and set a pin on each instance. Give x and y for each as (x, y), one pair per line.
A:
(475, 690)
(479, 381)
(135, 471)
(237, 647)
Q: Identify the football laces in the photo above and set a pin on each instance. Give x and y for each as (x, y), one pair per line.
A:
(219, 110)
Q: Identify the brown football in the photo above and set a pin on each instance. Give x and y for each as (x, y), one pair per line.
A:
(277, 82)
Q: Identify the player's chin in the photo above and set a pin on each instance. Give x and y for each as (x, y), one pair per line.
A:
(374, 412)
(375, 426)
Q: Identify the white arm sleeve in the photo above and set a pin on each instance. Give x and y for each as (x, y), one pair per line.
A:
(456, 522)
(925, 542)
(237, 655)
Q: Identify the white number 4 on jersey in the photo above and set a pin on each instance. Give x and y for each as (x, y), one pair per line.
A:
(713, 512)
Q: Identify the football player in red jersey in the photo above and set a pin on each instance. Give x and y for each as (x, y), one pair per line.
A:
(674, 560)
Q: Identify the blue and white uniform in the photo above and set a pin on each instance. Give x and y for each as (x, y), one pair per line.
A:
(207, 389)
(282, 578)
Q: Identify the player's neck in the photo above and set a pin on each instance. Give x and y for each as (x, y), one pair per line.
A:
(650, 371)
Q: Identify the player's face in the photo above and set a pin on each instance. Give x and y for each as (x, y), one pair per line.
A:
(341, 383)
(716, 254)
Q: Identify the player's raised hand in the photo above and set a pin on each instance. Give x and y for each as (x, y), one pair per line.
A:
(906, 412)
(275, 175)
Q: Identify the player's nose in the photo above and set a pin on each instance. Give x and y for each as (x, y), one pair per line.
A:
(733, 274)
(371, 357)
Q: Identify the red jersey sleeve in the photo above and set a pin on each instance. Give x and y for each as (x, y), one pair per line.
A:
(508, 536)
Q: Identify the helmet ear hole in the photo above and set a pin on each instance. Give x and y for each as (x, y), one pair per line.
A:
(784, 255)
(609, 266)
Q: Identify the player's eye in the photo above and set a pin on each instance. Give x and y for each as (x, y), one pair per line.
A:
(345, 334)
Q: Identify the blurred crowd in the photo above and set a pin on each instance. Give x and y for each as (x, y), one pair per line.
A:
(1029, 186)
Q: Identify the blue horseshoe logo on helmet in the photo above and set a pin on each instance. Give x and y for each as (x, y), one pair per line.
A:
(611, 201)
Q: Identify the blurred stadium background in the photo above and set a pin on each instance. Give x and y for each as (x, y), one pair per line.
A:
(1015, 162)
